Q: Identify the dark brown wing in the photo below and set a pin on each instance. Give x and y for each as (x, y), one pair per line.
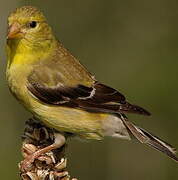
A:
(99, 98)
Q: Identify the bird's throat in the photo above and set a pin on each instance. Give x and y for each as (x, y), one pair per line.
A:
(21, 51)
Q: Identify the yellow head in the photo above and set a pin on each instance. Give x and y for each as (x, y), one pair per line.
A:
(29, 24)
(28, 33)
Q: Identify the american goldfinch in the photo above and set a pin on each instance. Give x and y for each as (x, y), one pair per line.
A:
(59, 91)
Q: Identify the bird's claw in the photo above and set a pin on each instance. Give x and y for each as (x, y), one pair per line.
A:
(27, 163)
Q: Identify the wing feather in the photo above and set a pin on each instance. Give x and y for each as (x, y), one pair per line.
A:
(99, 98)
(52, 82)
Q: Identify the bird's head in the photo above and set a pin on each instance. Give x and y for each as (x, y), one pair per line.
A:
(29, 25)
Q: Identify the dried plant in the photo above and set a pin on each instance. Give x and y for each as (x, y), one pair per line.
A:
(49, 166)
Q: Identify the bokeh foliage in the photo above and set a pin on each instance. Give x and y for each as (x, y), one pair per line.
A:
(130, 45)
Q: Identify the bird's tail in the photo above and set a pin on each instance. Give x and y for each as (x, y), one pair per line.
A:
(150, 140)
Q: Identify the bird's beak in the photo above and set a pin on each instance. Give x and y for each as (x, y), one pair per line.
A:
(14, 31)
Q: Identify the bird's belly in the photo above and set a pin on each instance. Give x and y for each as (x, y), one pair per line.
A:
(85, 124)
(88, 125)
(71, 120)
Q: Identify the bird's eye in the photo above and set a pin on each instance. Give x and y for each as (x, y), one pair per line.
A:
(33, 24)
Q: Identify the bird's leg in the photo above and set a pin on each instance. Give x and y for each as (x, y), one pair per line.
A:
(58, 142)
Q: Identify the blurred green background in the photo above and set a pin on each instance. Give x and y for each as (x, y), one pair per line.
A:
(130, 45)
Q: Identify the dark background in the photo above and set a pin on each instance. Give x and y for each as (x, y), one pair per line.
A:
(130, 45)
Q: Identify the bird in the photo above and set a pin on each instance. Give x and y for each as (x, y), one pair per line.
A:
(59, 91)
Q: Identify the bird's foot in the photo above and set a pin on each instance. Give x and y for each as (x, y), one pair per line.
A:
(27, 163)
(31, 152)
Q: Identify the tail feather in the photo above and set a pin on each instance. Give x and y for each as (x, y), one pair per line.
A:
(151, 140)
(131, 108)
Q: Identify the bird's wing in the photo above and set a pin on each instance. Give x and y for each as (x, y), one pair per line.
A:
(58, 84)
